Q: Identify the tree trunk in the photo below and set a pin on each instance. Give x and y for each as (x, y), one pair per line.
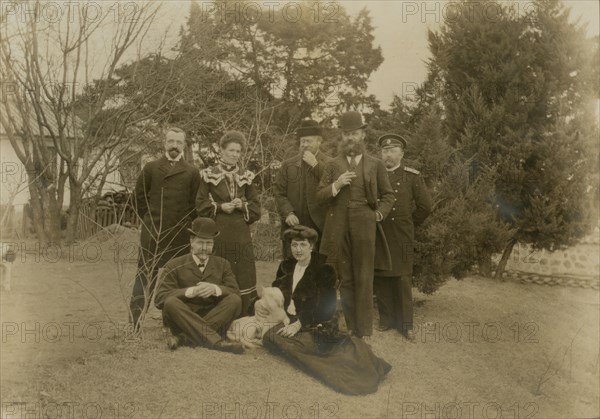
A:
(485, 263)
(505, 256)
(37, 212)
(51, 214)
(73, 216)
(46, 214)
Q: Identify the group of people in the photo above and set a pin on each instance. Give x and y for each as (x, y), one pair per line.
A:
(347, 223)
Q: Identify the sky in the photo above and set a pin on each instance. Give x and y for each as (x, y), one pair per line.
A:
(400, 29)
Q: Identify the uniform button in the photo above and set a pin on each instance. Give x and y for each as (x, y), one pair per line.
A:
(397, 183)
(395, 190)
(393, 209)
(392, 219)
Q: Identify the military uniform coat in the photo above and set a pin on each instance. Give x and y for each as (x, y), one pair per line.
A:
(412, 206)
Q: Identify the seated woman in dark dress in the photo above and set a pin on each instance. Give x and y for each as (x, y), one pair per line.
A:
(312, 341)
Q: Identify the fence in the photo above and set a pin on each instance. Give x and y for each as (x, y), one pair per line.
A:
(91, 220)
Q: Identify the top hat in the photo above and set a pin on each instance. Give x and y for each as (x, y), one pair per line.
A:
(308, 128)
(351, 121)
(204, 228)
(391, 140)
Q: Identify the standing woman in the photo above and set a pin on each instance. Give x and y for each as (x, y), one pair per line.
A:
(227, 195)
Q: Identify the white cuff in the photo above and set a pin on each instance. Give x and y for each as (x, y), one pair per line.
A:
(246, 212)
(218, 290)
(334, 190)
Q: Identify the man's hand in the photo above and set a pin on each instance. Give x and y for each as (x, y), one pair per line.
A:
(228, 207)
(292, 220)
(290, 330)
(344, 179)
(204, 290)
(309, 158)
(238, 203)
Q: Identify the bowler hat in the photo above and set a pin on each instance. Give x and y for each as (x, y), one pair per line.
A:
(351, 121)
(308, 128)
(391, 140)
(204, 228)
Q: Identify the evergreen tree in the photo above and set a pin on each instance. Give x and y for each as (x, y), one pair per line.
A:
(516, 95)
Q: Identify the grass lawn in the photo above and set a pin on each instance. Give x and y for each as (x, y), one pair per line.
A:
(484, 348)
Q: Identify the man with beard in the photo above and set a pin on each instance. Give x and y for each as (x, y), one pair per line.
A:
(165, 194)
(356, 189)
(393, 287)
(295, 186)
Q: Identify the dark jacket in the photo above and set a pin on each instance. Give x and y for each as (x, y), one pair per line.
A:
(412, 206)
(379, 196)
(314, 296)
(167, 191)
(295, 190)
(182, 272)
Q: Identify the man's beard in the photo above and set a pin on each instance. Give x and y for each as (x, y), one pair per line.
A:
(389, 163)
(351, 148)
(173, 153)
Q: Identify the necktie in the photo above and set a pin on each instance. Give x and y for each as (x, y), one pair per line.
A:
(352, 165)
(201, 266)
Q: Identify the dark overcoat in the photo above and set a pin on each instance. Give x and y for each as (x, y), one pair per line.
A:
(379, 195)
(165, 196)
(412, 206)
(295, 190)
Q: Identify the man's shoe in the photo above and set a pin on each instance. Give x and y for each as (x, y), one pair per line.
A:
(228, 346)
(410, 336)
(382, 327)
(367, 339)
(173, 342)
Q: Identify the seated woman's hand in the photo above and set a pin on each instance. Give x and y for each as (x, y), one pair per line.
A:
(291, 329)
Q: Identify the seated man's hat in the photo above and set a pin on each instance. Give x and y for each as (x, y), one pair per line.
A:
(204, 228)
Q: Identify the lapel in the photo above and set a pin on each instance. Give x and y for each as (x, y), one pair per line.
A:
(297, 160)
(209, 269)
(166, 170)
(342, 164)
(193, 270)
(368, 165)
(306, 284)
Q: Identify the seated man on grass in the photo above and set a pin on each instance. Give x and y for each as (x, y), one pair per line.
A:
(199, 296)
